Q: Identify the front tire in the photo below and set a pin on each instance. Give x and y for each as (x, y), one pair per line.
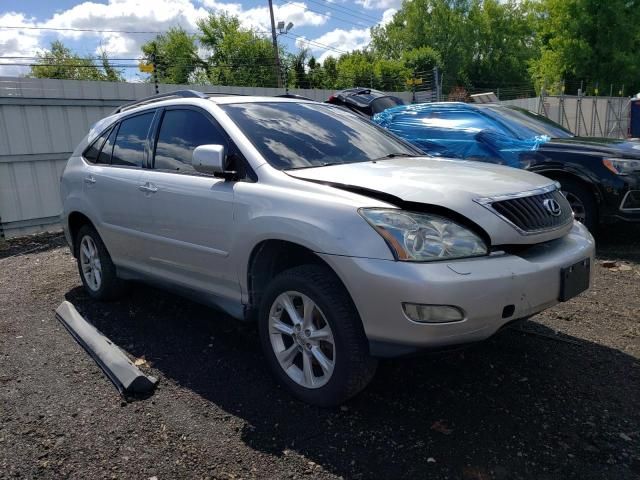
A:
(312, 337)
(97, 271)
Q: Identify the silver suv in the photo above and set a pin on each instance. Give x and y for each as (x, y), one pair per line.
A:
(342, 241)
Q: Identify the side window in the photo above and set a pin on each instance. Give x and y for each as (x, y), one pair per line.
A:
(180, 133)
(91, 154)
(131, 140)
(107, 148)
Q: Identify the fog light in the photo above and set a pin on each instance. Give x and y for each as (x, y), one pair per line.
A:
(432, 313)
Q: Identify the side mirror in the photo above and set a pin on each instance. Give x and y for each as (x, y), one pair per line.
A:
(209, 159)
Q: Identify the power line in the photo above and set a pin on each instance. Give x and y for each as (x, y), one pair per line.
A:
(326, 15)
(90, 30)
(318, 44)
(96, 30)
(348, 11)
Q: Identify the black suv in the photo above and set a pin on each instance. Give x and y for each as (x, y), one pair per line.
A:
(365, 101)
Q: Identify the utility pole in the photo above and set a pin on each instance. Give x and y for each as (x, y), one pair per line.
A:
(155, 69)
(274, 37)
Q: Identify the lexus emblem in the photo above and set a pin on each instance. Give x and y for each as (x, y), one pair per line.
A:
(552, 207)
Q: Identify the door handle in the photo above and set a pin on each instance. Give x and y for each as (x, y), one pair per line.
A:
(148, 188)
(90, 180)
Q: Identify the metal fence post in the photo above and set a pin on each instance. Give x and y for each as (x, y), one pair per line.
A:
(413, 87)
(436, 75)
(155, 71)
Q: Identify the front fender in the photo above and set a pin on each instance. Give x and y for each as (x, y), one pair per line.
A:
(320, 223)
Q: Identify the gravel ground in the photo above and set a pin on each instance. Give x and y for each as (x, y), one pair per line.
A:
(556, 398)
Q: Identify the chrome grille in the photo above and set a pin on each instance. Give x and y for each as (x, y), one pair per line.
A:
(530, 214)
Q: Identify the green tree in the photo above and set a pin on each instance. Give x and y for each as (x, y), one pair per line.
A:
(298, 76)
(355, 69)
(315, 75)
(176, 55)
(421, 60)
(237, 55)
(390, 75)
(503, 40)
(329, 73)
(61, 63)
(590, 40)
(441, 25)
(109, 73)
(474, 41)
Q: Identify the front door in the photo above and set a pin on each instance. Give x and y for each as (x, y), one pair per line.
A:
(192, 214)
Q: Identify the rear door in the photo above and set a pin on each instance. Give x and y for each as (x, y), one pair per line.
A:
(192, 213)
(113, 188)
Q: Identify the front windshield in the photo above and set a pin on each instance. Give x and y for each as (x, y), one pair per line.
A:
(301, 135)
(526, 124)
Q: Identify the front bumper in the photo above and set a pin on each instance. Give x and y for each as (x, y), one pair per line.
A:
(623, 203)
(630, 206)
(481, 287)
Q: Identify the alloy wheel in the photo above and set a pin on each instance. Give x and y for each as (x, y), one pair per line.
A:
(90, 263)
(302, 339)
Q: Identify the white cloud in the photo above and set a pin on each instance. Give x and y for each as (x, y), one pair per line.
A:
(338, 41)
(379, 4)
(125, 15)
(387, 15)
(258, 17)
(17, 43)
(135, 15)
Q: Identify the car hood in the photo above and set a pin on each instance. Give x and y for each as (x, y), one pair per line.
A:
(446, 183)
(606, 147)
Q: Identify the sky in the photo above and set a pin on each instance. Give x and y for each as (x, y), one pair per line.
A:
(326, 27)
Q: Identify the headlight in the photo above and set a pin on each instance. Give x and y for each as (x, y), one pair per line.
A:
(421, 237)
(622, 166)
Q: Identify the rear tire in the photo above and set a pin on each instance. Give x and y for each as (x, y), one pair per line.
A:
(582, 203)
(325, 328)
(97, 271)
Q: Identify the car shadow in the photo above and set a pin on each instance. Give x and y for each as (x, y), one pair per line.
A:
(524, 404)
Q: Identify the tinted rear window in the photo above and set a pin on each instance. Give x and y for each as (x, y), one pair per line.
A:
(382, 103)
(131, 140)
(91, 153)
(107, 148)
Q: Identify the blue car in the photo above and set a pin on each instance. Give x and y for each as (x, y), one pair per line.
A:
(599, 176)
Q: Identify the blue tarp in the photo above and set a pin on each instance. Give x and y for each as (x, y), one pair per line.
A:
(456, 131)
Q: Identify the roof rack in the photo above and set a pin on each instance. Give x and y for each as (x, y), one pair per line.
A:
(159, 97)
(222, 94)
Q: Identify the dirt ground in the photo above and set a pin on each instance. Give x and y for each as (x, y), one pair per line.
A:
(557, 398)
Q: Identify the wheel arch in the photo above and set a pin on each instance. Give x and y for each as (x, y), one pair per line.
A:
(270, 257)
(75, 221)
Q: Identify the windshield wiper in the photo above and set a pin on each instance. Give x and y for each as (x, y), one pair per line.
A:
(393, 155)
(324, 164)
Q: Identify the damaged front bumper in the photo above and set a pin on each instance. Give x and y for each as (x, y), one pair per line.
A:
(490, 291)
